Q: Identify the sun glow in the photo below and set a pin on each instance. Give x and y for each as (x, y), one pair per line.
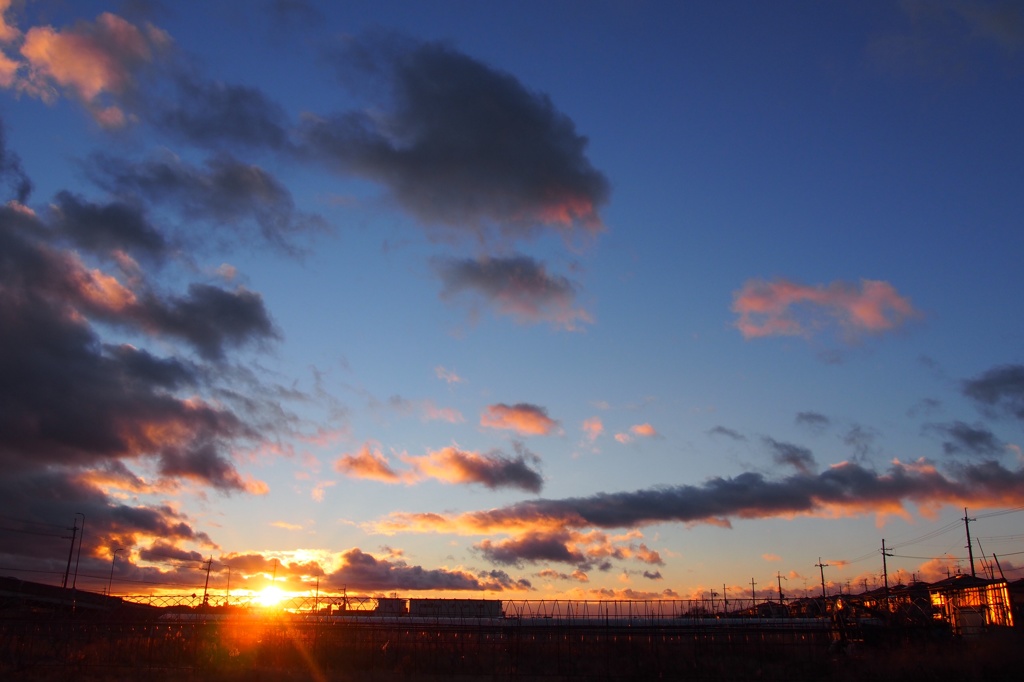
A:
(269, 596)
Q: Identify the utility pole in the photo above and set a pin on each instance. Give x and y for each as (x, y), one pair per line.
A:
(113, 558)
(725, 599)
(970, 551)
(81, 537)
(778, 575)
(71, 551)
(206, 587)
(753, 595)
(821, 568)
(885, 573)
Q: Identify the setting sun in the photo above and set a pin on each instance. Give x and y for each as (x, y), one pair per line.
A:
(269, 596)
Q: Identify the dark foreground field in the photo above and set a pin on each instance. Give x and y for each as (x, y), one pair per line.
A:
(281, 651)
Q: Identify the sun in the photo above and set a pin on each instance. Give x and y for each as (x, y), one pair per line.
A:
(269, 596)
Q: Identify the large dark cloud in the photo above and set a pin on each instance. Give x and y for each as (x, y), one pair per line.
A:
(999, 390)
(848, 488)
(459, 143)
(226, 193)
(85, 405)
(517, 286)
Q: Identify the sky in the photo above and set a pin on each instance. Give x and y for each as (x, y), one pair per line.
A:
(533, 300)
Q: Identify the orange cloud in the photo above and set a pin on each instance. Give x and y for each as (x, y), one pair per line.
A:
(91, 60)
(783, 308)
(525, 418)
(368, 464)
(644, 430)
(494, 470)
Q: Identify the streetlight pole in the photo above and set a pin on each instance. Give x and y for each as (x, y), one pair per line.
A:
(112, 559)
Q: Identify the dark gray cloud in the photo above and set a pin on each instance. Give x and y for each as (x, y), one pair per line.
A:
(999, 390)
(727, 432)
(861, 439)
(209, 317)
(105, 229)
(497, 470)
(532, 548)
(814, 421)
(517, 286)
(849, 488)
(655, 575)
(363, 571)
(962, 438)
(215, 115)
(798, 457)
(11, 171)
(226, 193)
(460, 144)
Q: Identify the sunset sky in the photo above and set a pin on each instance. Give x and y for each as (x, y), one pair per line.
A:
(520, 300)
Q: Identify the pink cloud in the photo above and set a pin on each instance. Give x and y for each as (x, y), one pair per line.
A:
(783, 308)
(523, 417)
(593, 428)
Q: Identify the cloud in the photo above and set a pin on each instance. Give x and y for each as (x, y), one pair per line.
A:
(593, 428)
(800, 458)
(369, 464)
(524, 418)
(843, 489)
(637, 431)
(460, 144)
(861, 439)
(813, 420)
(727, 432)
(643, 430)
(226, 193)
(447, 376)
(517, 286)
(999, 390)
(963, 438)
(362, 571)
(783, 308)
(531, 548)
(70, 399)
(492, 470)
(107, 229)
(216, 115)
(97, 62)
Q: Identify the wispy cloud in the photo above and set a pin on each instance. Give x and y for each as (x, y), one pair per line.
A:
(783, 308)
(517, 286)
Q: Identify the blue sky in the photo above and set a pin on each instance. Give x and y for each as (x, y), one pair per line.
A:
(540, 300)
